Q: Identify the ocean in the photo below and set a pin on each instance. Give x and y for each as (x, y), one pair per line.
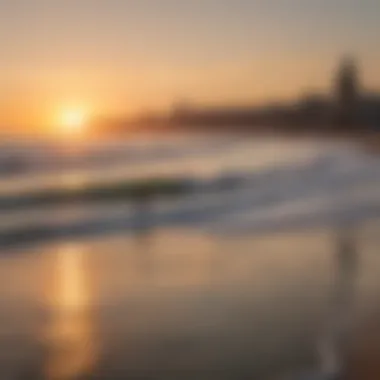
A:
(230, 282)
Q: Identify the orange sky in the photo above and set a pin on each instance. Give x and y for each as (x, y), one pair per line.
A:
(116, 58)
(127, 91)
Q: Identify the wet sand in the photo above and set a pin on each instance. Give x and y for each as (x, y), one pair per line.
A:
(182, 304)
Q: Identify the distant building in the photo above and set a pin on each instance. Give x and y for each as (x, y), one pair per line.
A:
(314, 110)
(348, 107)
(347, 93)
(369, 110)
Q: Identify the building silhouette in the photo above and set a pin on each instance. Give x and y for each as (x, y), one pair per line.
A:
(347, 93)
(345, 107)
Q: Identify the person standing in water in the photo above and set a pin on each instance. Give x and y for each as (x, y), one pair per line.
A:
(143, 203)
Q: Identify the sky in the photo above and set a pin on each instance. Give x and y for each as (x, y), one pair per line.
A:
(122, 57)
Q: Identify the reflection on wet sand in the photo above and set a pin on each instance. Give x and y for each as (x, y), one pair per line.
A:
(333, 344)
(175, 303)
(70, 335)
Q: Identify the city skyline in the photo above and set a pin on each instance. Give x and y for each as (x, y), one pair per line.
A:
(117, 58)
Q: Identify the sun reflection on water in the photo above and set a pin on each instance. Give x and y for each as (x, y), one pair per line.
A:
(70, 335)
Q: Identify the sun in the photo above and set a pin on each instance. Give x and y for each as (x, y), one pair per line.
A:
(73, 121)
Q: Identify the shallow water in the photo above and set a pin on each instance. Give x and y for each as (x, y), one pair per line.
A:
(174, 304)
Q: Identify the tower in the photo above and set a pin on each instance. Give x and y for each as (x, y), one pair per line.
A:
(347, 93)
